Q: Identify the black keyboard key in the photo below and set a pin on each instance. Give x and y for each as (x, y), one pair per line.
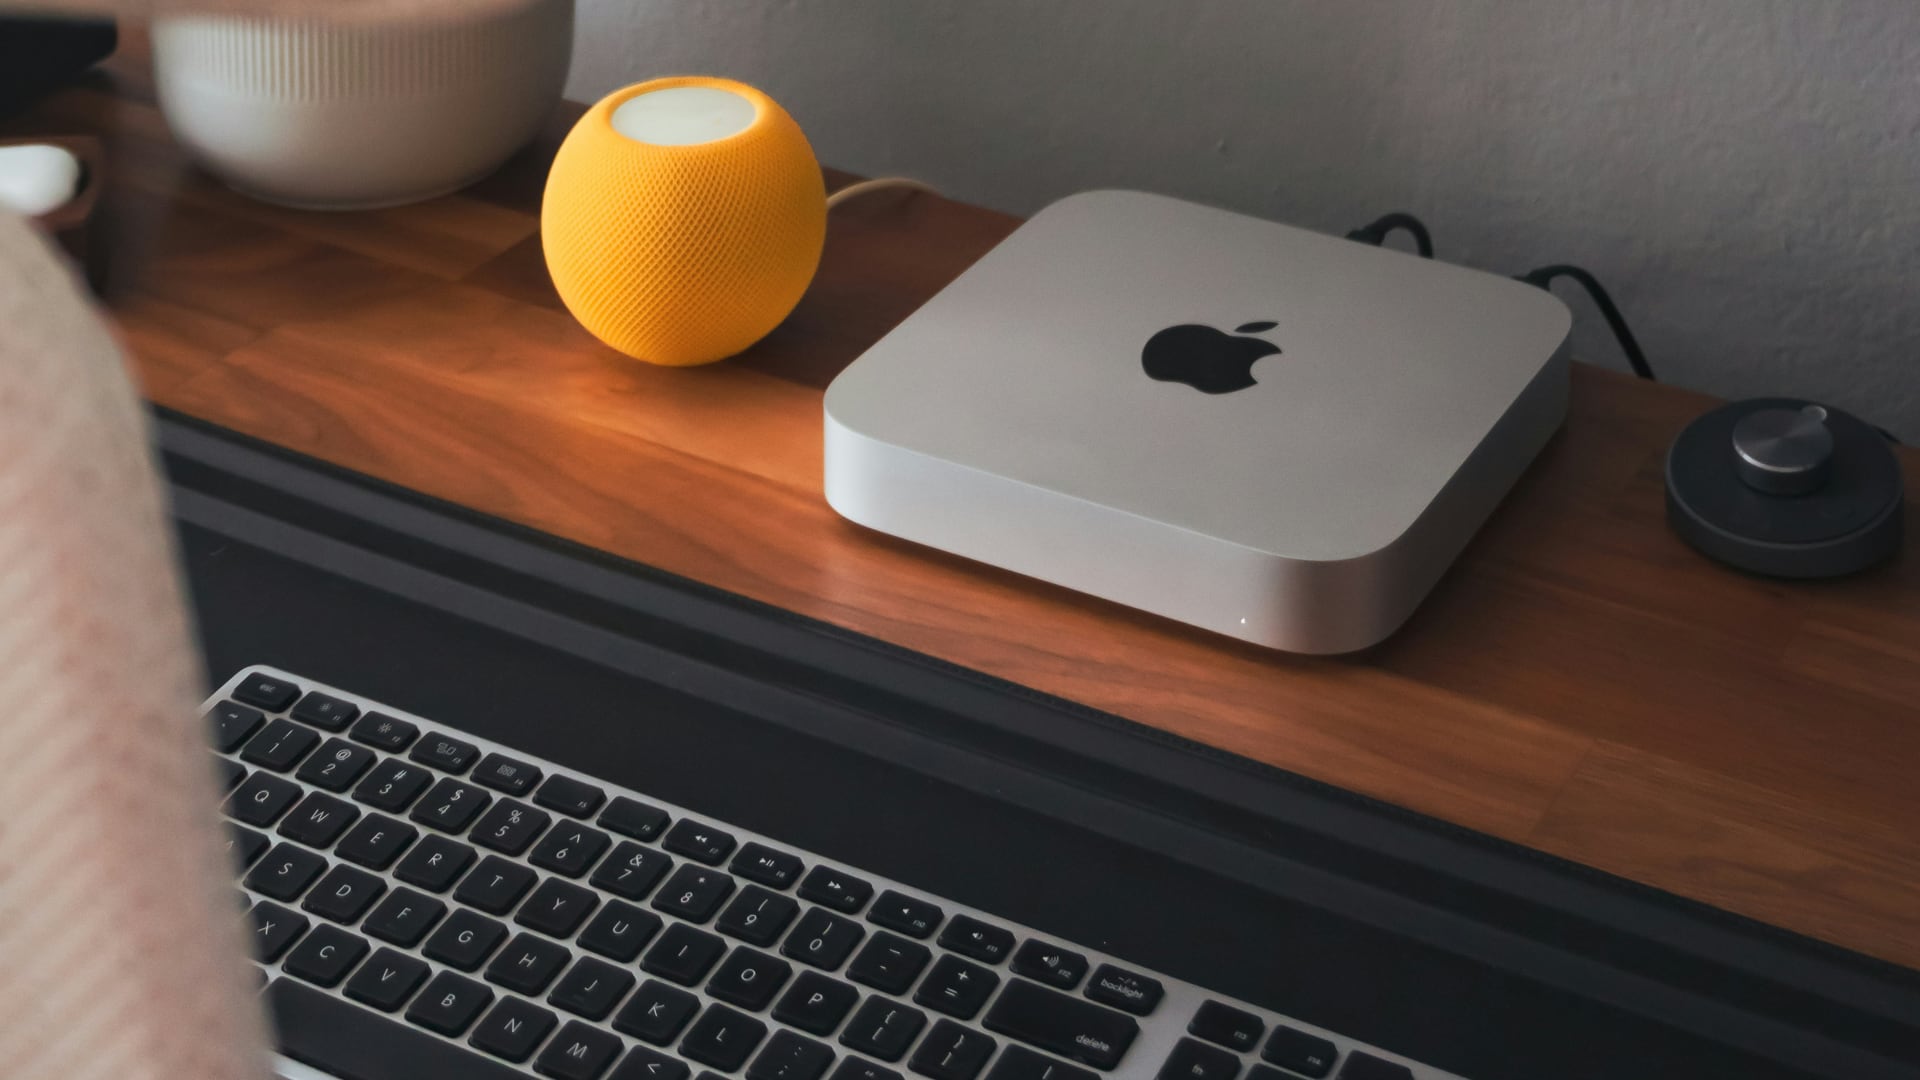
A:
(383, 732)
(644, 1064)
(897, 911)
(791, 1057)
(683, 954)
(693, 893)
(435, 863)
(324, 711)
(656, 1012)
(749, 978)
(757, 916)
(1192, 1059)
(274, 929)
(883, 1029)
(1235, 1029)
(1124, 989)
(244, 846)
(319, 820)
(404, 917)
(344, 894)
(1020, 1063)
(386, 980)
(836, 889)
(565, 795)
(376, 841)
(270, 692)
(229, 724)
(528, 964)
(261, 799)
(557, 908)
(635, 819)
(465, 940)
(495, 885)
(325, 956)
(228, 773)
(631, 871)
(569, 849)
(510, 827)
(279, 746)
(445, 752)
(591, 988)
(451, 806)
(393, 785)
(815, 1003)
(823, 939)
(1362, 1066)
(512, 1029)
(698, 841)
(336, 765)
(449, 1004)
(951, 1052)
(620, 931)
(853, 1068)
(343, 1039)
(1054, 1022)
(722, 1038)
(1059, 968)
(286, 872)
(957, 988)
(889, 963)
(758, 862)
(502, 773)
(969, 936)
(578, 1053)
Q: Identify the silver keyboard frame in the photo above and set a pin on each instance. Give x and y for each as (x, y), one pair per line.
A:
(1159, 1031)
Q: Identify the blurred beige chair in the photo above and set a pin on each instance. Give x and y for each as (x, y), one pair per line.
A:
(121, 944)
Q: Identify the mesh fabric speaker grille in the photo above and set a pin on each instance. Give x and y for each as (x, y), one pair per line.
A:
(683, 254)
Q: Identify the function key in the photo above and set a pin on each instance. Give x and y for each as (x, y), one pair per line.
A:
(1309, 1055)
(836, 889)
(325, 711)
(279, 746)
(1235, 1029)
(445, 752)
(971, 937)
(758, 862)
(502, 773)
(897, 911)
(564, 794)
(636, 819)
(1059, 968)
(1361, 1066)
(383, 731)
(1123, 989)
(1194, 1060)
(698, 841)
(229, 724)
(270, 692)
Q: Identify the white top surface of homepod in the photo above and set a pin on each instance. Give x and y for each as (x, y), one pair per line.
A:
(683, 116)
(37, 178)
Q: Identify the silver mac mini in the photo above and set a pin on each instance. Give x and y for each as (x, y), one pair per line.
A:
(1269, 433)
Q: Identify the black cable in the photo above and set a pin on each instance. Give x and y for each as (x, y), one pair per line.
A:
(1543, 278)
(1376, 233)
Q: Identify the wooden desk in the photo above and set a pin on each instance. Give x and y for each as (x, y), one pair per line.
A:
(1580, 682)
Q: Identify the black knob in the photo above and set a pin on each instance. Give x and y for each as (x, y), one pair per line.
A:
(1784, 451)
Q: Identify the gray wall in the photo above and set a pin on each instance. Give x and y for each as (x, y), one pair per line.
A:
(1744, 173)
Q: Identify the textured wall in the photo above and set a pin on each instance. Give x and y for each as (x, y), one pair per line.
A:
(1744, 173)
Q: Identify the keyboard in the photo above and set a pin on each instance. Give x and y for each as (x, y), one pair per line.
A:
(428, 905)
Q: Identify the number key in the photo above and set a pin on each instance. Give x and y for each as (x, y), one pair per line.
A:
(631, 871)
(451, 806)
(693, 893)
(822, 939)
(757, 916)
(393, 785)
(510, 827)
(338, 764)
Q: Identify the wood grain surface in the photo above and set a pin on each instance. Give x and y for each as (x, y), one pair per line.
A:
(1580, 682)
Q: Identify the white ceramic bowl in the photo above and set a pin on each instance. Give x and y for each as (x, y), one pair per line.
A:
(358, 115)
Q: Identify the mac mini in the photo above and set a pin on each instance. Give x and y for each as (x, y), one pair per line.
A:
(1270, 433)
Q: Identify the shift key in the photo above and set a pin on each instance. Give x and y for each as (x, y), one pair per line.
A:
(1067, 1026)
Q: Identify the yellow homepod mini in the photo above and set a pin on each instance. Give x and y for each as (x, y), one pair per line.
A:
(683, 219)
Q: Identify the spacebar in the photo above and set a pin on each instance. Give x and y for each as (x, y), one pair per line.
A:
(356, 1044)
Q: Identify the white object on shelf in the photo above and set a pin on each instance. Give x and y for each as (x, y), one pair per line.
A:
(359, 115)
(37, 178)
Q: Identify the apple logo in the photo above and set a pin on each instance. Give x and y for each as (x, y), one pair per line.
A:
(1211, 361)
